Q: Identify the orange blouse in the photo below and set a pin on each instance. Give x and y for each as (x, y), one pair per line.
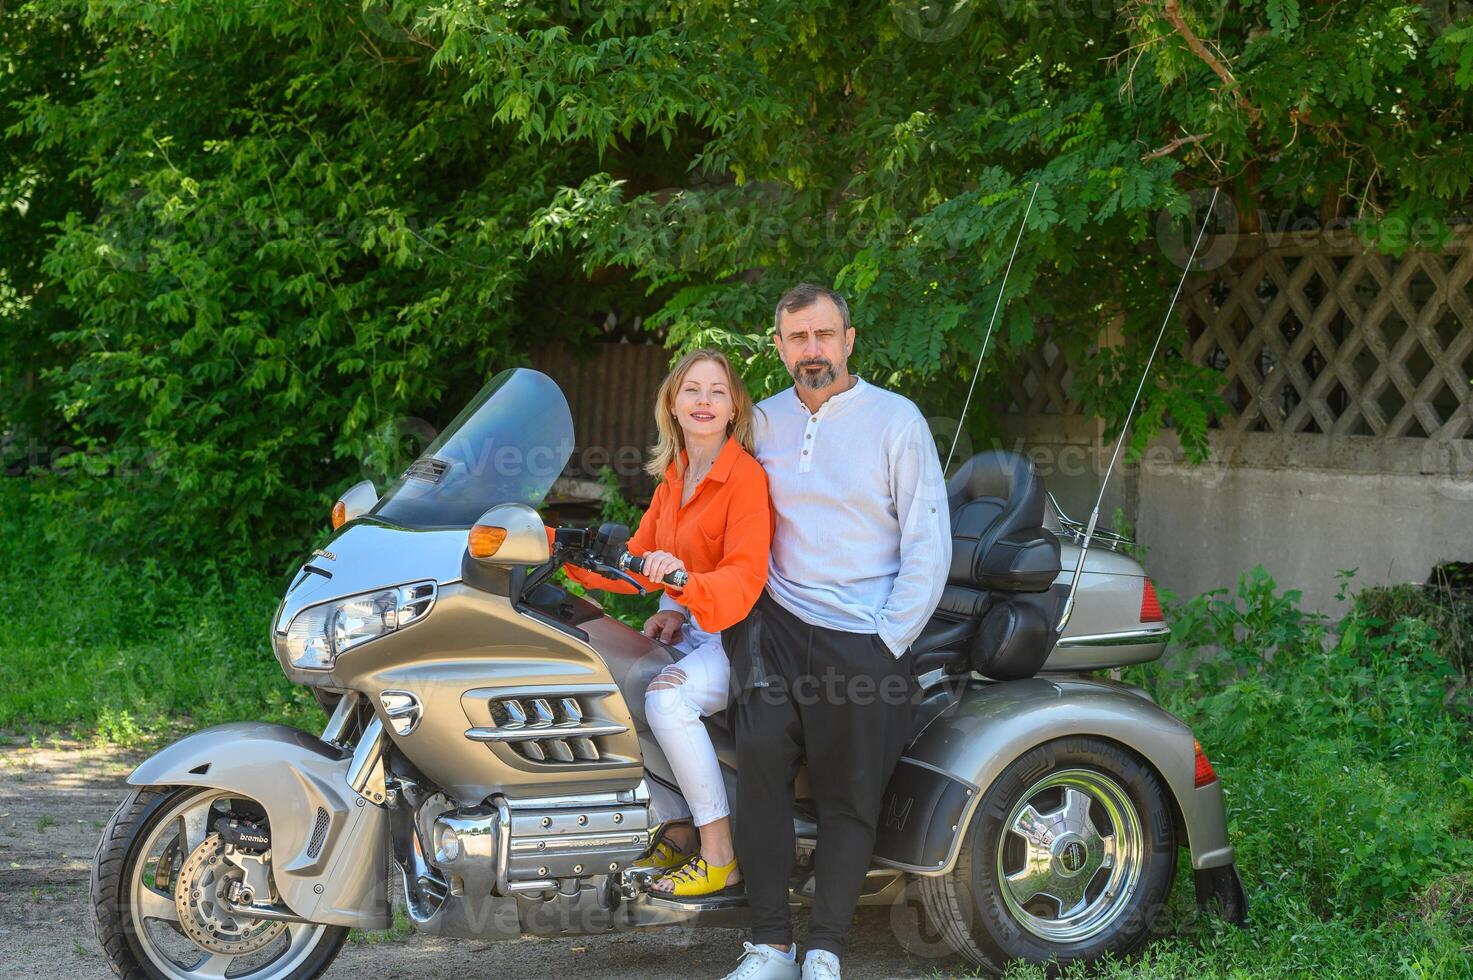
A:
(723, 535)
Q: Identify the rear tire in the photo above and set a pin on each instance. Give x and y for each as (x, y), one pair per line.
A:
(124, 846)
(1099, 862)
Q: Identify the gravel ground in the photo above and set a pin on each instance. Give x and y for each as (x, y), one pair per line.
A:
(55, 798)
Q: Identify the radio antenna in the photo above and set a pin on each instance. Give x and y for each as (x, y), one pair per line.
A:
(1094, 515)
(988, 336)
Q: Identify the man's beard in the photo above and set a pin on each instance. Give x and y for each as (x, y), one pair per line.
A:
(814, 379)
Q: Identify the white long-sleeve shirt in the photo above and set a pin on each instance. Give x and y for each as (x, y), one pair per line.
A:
(862, 541)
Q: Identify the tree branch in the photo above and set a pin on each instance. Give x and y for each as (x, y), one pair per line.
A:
(1172, 11)
(1173, 146)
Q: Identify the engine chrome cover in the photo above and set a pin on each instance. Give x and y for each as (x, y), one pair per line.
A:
(509, 846)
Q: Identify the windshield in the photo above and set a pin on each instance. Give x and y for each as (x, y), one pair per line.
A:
(507, 446)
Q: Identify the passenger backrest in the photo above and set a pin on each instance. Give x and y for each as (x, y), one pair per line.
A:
(998, 539)
(1005, 561)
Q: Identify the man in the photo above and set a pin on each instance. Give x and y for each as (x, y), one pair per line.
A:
(860, 553)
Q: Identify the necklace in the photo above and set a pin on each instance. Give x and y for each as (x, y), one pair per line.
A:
(692, 480)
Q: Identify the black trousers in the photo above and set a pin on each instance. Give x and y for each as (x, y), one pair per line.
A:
(845, 702)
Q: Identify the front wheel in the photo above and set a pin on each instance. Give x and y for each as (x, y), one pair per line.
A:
(1069, 856)
(151, 928)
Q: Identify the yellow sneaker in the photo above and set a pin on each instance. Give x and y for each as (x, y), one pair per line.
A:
(695, 878)
(662, 855)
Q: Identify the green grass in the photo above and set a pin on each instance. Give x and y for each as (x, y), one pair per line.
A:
(126, 647)
(399, 931)
(1346, 761)
(1344, 748)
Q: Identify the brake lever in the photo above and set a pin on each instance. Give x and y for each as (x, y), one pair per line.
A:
(613, 571)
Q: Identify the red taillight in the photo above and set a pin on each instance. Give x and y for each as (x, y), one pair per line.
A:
(1205, 774)
(1150, 605)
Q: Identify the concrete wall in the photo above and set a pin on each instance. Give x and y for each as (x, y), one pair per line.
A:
(1303, 506)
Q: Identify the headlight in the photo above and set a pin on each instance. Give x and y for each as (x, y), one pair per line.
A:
(318, 635)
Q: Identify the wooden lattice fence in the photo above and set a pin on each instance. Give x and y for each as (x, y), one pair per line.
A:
(1325, 336)
(1042, 383)
(1316, 334)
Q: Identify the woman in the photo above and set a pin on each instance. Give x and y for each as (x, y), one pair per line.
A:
(710, 517)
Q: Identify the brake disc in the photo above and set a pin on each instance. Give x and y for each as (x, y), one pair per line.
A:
(199, 898)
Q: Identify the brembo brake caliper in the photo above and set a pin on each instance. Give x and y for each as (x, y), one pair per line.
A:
(243, 835)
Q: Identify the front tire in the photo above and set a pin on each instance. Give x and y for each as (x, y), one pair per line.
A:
(1070, 855)
(136, 921)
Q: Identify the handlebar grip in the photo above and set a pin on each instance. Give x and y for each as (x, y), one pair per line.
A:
(635, 563)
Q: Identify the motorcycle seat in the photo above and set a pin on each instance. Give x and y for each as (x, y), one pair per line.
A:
(944, 643)
(993, 612)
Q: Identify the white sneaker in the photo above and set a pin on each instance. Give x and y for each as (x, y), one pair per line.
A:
(820, 964)
(765, 963)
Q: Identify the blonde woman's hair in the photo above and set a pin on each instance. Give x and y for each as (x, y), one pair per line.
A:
(671, 441)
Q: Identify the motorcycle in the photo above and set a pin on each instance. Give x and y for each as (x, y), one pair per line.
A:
(486, 758)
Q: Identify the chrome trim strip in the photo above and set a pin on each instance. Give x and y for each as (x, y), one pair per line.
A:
(574, 801)
(516, 887)
(972, 788)
(703, 904)
(576, 842)
(527, 693)
(543, 734)
(367, 755)
(1125, 639)
(342, 717)
(503, 845)
(403, 710)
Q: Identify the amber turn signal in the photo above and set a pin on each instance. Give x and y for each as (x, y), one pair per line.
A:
(339, 514)
(485, 540)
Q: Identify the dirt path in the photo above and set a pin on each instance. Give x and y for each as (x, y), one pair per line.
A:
(55, 798)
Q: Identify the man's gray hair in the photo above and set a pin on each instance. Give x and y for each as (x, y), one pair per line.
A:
(804, 295)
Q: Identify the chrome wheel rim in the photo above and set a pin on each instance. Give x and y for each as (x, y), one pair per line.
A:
(154, 912)
(1069, 856)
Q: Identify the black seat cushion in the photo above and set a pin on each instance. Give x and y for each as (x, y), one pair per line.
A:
(943, 634)
(1000, 550)
(960, 602)
(946, 641)
(997, 535)
(995, 495)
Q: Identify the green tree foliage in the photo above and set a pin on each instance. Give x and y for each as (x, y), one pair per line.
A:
(293, 238)
(890, 148)
(254, 233)
(38, 58)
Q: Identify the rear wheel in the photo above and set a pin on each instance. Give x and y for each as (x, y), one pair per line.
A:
(1069, 855)
(151, 928)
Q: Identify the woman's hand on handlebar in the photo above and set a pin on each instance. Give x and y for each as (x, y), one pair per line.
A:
(658, 564)
(664, 626)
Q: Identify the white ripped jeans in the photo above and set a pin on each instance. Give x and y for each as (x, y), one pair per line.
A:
(678, 698)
